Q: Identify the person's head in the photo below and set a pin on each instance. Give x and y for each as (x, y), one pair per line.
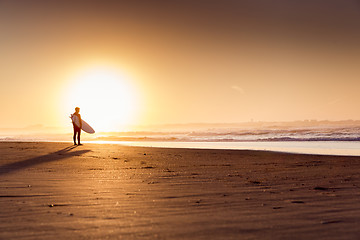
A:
(77, 109)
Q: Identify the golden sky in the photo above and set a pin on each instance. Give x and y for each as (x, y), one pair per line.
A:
(178, 61)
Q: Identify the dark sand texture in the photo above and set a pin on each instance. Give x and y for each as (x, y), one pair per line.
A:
(57, 191)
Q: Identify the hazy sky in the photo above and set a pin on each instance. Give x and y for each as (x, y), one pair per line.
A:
(187, 61)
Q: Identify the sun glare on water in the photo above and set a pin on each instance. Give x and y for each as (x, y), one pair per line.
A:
(107, 99)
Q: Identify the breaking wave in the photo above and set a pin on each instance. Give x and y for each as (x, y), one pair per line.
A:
(236, 135)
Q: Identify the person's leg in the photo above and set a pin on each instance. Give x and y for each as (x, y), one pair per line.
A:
(79, 136)
(74, 137)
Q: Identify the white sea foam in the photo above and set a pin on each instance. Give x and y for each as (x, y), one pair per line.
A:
(268, 134)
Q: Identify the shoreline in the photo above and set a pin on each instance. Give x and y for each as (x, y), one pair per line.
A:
(329, 148)
(57, 190)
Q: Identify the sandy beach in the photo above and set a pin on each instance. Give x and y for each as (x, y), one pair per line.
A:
(103, 191)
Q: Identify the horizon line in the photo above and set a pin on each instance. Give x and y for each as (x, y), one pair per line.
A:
(42, 126)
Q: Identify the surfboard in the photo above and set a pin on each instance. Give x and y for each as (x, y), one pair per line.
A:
(85, 126)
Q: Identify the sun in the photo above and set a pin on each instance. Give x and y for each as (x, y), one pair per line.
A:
(107, 99)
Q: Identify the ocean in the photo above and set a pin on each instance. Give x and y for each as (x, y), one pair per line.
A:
(333, 139)
(329, 140)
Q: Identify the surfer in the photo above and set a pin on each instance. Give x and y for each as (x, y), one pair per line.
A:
(77, 129)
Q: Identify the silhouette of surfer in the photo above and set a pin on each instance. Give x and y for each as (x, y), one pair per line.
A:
(77, 129)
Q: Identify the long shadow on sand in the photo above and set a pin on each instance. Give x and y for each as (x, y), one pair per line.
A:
(55, 156)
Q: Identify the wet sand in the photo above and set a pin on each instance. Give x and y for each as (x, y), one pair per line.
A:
(58, 191)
